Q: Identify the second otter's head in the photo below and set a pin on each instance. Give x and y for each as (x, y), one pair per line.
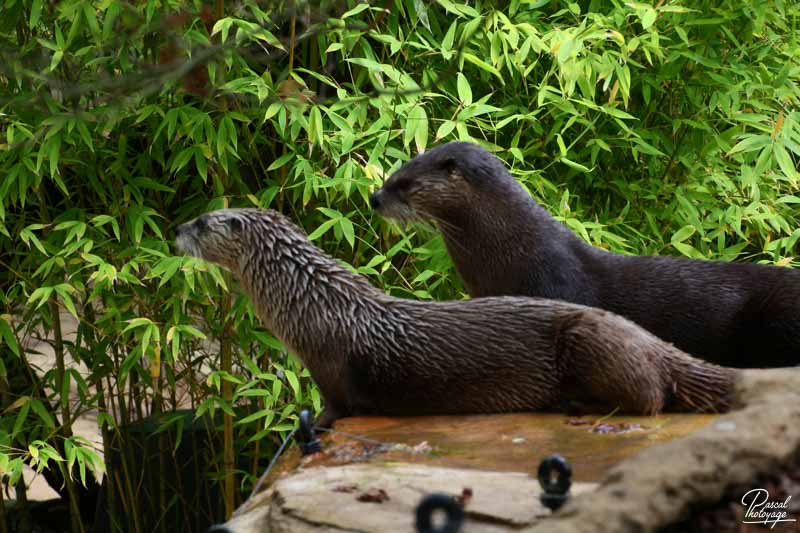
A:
(450, 180)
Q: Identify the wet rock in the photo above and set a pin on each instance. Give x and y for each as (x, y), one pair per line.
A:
(309, 500)
(663, 485)
(653, 472)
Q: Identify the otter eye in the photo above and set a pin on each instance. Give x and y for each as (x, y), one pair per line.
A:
(202, 224)
(448, 164)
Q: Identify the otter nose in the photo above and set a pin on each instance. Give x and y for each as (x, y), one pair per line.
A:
(375, 200)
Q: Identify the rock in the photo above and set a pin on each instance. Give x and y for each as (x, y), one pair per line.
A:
(313, 499)
(659, 485)
(651, 470)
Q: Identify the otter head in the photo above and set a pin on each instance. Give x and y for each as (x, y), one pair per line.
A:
(451, 180)
(217, 236)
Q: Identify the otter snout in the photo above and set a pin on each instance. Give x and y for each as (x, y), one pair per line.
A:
(184, 240)
(390, 205)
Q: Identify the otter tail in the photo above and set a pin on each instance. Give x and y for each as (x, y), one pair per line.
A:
(698, 386)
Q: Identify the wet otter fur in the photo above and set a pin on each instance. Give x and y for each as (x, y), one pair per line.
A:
(371, 353)
(503, 243)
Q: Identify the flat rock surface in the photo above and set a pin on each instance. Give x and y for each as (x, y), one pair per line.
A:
(494, 456)
(623, 482)
(382, 497)
(505, 442)
(518, 442)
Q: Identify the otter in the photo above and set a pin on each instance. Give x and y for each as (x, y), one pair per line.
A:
(371, 353)
(504, 243)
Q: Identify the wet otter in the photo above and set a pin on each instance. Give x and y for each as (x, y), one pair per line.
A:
(372, 353)
(503, 243)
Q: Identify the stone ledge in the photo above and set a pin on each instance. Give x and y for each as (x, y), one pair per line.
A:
(661, 474)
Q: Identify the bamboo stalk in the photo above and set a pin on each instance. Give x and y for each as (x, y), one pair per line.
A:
(24, 522)
(97, 381)
(227, 396)
(126, 490)
(66, 418)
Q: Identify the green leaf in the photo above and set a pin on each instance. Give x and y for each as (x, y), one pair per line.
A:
(561, 147)
(464, 90)
(683, 234)
(348, 231)
(191, 330)
(294, 383)
(447, 42)
(355, 11)
(224, 26)
(263, 413)
(648, 17)
(445, 129)
(137, 323)
(53, 152)
(322, 229)
(784, 160)
(182, 158)
(315, 132)
(751, 143)
(22, 416)
(27, 236)
(573, 164)
(42, 413)
(615, 112)
(421, 133)
(787, 199)
(333, 47)
(416, 128)
(42, 294)
(171, 268)
(7, 334)
(67, 300)
(483, 65)
(282, 160)
(201, 164)
(36, 13)
(687, 250)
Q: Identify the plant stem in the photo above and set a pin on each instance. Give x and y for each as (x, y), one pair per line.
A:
(66, 428)
(227, 396)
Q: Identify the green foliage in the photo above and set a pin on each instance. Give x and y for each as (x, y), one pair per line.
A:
(669, 128)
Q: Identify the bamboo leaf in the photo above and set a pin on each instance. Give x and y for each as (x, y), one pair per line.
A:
(464, 90)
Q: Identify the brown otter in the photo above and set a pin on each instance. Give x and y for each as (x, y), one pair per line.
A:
(503, 243)
(372, 353)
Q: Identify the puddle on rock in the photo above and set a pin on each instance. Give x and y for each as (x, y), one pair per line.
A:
(507, 442)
